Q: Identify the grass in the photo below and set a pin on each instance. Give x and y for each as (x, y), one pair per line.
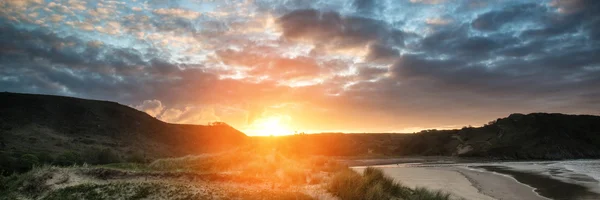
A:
(128, 166)
(374, 185)
(124, 190)
(268, 194)
(31, 184)
(249, 174)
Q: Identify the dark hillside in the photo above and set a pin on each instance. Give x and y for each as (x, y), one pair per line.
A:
(55, 126)
(534, 136)
(531, 136)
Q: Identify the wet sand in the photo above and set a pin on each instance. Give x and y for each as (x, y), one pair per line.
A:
(498, 186)
(545, 186)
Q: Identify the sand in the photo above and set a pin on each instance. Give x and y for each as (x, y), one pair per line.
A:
(498, 186)
(461, 182)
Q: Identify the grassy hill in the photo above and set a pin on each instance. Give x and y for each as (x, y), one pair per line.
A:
(65, 130)
(533, 136)
(518, 136)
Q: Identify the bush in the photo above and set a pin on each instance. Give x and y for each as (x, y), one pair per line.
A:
(136, 158)
(293, 175)
(106, 156)
(347, 185)
(68, 159)
(26, 162)
(7, 163)
(424, 194)
(45, 158)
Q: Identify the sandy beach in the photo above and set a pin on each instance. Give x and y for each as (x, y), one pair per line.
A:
(485, 181)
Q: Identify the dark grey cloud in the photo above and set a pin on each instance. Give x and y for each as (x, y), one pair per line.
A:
(39, 61)
(493, 20)
(523, 49)
(457, 42)
(379, 52)
(340, 31)
(567, 17)
(367, 7)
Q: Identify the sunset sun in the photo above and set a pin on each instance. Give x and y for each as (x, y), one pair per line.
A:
(271, 125)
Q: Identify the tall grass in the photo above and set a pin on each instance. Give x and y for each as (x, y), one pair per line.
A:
(374, 185)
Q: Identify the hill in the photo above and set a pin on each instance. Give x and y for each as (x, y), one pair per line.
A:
(533, 136)
(68, 130)
(36, 129)
(516, 137)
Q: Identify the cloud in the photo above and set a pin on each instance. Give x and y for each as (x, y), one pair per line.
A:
(428, 1)
(575, 6)
(367, 6)
(381, 53)
(190, 115)
(570, 16)
(438, 21)
(493, 20)
(177, 12)
(330, 28)
(153, 107)
(275, 67)
(361, 65)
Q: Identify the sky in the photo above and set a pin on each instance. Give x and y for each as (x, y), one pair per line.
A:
(271, 67)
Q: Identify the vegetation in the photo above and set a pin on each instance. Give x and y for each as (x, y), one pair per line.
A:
(531, 136)
(253, 172)
(374, 185)
(65, 131)
(47, 142)
(23, 162)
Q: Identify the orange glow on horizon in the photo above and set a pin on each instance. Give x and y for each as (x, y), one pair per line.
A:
(270, 125)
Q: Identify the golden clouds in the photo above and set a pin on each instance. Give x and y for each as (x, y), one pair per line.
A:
(177, 12)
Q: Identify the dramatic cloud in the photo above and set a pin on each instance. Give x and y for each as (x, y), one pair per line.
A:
(363, 65)
(152, 107)
(333, 29)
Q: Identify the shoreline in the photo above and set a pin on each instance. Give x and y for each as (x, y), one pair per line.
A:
(481, 180)
(499, 186)
(546, 186)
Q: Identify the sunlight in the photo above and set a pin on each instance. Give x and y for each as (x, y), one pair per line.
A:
(272, 125)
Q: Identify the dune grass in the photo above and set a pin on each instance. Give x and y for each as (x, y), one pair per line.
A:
(374, 185)
(231, 175)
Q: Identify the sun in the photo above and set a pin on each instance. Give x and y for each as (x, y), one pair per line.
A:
(272, 125)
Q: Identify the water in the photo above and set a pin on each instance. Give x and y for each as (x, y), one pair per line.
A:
(590, 168)
(574, 171)
(582, 175)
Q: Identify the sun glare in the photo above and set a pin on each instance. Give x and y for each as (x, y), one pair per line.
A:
(274, 125)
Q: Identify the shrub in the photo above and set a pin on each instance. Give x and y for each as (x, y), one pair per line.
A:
(106, 156)
(293, 175)
(45, 158)
(26, 162)
(30, 184)
(425, 194)
(136, 158)
(68, 158)
(315, 179)
(7, 163)
(347, 185)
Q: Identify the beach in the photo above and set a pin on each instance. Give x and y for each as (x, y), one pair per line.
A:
(569, 180)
